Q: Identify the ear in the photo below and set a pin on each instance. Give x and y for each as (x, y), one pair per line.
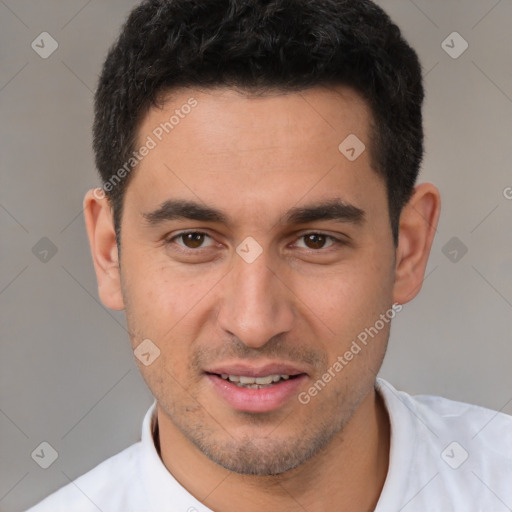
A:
(418, 223)
(102, 239)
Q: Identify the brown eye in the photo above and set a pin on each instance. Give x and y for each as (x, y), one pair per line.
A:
(193, 240)
(315, 240)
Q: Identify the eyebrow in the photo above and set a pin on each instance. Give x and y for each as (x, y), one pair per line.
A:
(334, 209)
(176, 209)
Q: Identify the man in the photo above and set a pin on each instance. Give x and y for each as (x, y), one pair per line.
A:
(260, 224)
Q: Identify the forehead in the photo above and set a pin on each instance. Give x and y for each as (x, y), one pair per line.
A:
(256, 149)
(225, 119)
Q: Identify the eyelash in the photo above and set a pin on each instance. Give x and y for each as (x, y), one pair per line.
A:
(335, 241)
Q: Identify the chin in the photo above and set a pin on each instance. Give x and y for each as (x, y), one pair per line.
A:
(261, 457)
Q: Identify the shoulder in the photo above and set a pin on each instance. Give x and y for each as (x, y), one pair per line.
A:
(442, 412)
(468, 419)
(459, 454)
(485, 434)
(115, 479)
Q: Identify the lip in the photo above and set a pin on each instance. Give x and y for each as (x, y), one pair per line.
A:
(262, 400)
(257, 371)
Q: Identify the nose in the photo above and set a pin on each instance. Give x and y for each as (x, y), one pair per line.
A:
(256, 305)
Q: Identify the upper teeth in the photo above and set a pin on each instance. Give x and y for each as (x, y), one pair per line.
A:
(242, 379)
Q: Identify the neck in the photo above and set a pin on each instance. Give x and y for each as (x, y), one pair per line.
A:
(351, 469)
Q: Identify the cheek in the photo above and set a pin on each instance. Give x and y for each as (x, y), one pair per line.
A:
(346, 302)
(165, 308)
(161, 301)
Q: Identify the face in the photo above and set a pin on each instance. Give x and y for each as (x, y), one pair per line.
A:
(253, 248)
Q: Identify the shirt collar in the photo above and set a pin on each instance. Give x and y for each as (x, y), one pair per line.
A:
(162, 489)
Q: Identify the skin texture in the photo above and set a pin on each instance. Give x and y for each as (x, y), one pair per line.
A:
(255, 158)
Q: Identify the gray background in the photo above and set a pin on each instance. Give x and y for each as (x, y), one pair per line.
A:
(67, 373)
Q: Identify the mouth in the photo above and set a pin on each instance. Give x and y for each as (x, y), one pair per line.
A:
(243, 381)
(249, 389)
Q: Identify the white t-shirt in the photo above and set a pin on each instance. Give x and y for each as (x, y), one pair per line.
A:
(445, 456)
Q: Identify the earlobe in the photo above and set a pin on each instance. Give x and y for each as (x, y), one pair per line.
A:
(102, 239)
(418, 224)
